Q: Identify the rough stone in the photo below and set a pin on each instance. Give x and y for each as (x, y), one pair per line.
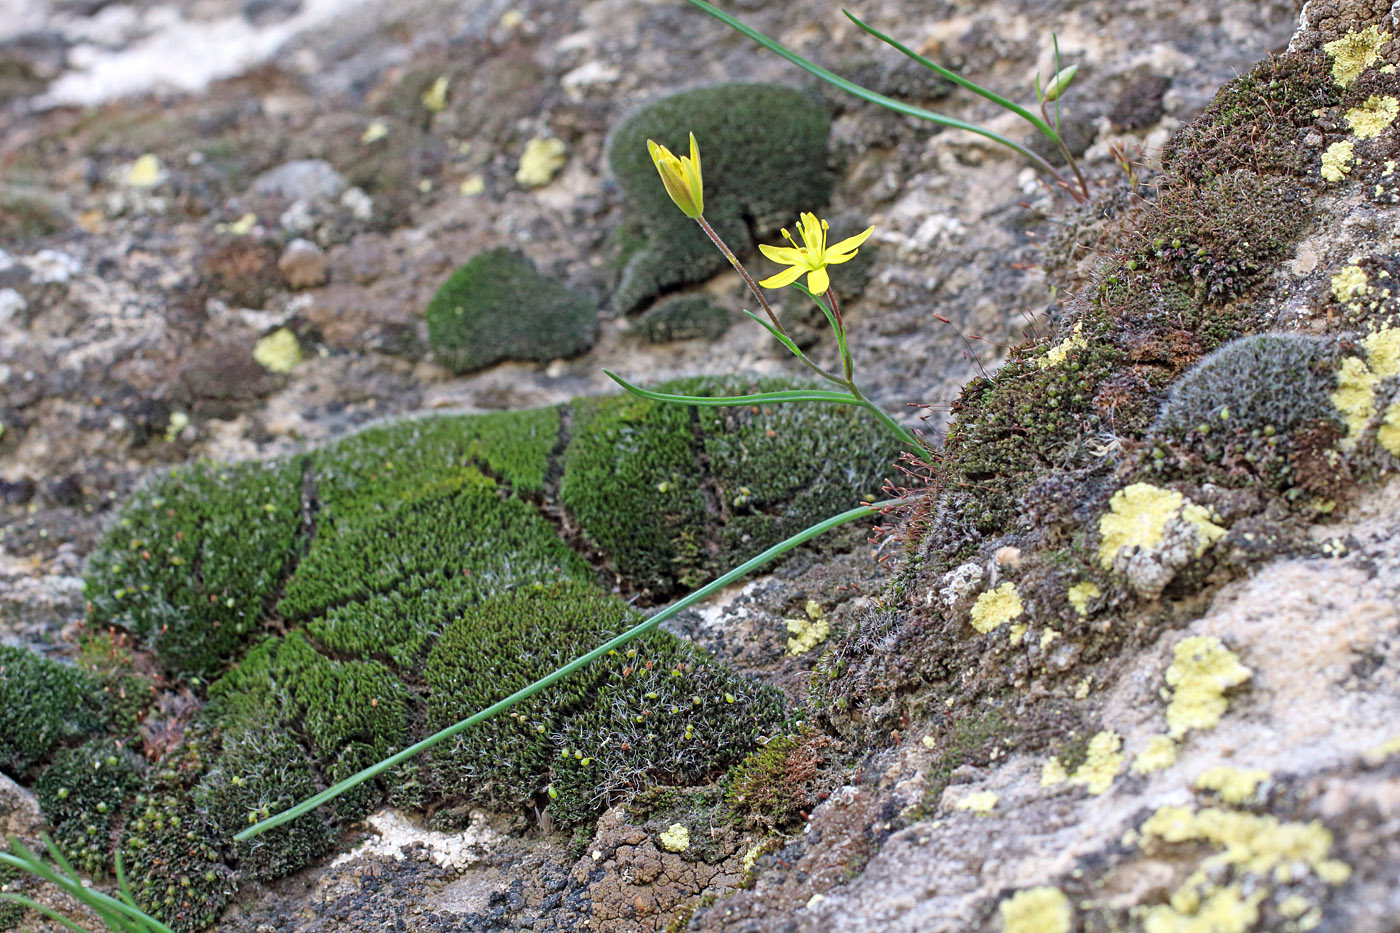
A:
(304, 264)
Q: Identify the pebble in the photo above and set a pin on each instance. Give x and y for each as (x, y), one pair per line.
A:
(49, 266)
(310, 179)
(303, 264)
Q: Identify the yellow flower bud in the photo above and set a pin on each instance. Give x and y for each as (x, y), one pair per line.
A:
(681, 176)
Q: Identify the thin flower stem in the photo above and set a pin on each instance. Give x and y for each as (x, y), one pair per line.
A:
(1069, 158)
(847, 367)
(743, 273)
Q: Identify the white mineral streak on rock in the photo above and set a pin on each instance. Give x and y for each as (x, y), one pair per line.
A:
(397, 831)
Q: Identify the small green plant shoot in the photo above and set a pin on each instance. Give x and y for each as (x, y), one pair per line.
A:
(120, 914)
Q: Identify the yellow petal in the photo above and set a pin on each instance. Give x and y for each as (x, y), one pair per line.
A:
(786, 277)
(818, 281)
(812, 234)
(783, 254)
(656, 153)
(849, 244)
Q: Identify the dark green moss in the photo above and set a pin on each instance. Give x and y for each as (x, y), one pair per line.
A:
(446, 528)
(81, 795)
(675, 495)
(261, 772)
(657, 710)
(43, 704)
(778, 469)
(754, 182)
(498, 307)
(362, 471)
(12, 881)
(686, 317)
(770, 786)
(664, 712)
(1222, 237)
(479, 660)
(172, 848)
(286, 682)
(633, 482)
(193, 561)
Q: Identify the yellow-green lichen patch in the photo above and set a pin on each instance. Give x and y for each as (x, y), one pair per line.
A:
(1252, 853)
(1350, 283)
(1018, 632)
(1102, 763)
(145, 172)
(1047, 638)
(543, 157)
(983, 801)
(279, 351)
(1036, 910)
(1336, 161)
(374, 132)
(1202, 670)
(676, 838)
(806, 634)
(1081, 689)
(1378, 112)
(1207, 531)
(1224, 910)
(996, 607)
(435, 97)
(1354, 52)
(1232, 785)
(1053, 772)
(1159, 753)
(1383, 352)
(1138, 517)
(1355, 398)
(1080, 594)
(1060, 351)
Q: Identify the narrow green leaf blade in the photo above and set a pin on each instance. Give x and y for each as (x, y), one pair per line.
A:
(781, 338)
(788, 395)
(851, 87)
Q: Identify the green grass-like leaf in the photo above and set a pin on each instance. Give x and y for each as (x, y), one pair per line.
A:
(121, 915)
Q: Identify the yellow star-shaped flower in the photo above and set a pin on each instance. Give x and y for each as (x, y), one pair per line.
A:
(813, 256)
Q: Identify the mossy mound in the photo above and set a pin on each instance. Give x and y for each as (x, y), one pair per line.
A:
(1259, 120)
(43, 704)
(339, 606)
(1246, 405)
(675, 495)
(81, 794)
(754, 181)
(657, 710)
(195, 561)
(498, 307)
(685, 317)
